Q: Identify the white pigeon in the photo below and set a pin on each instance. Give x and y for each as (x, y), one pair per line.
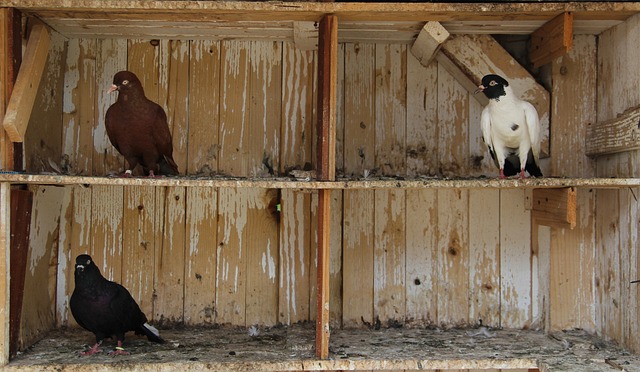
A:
(510, 128)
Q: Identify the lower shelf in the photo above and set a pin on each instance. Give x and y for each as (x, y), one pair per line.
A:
(292, 349)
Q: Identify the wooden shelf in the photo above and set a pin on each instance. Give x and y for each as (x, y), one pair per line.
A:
(292, 349)
(289, 183)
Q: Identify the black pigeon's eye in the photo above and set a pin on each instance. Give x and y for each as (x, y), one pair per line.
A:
(493, 83)
(125, 82)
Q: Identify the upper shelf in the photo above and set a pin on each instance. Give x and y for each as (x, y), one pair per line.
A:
(392, 22)
(290, 183)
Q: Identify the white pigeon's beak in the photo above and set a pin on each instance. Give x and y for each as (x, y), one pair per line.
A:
(113, 88)
(480, 89)
(80, 267)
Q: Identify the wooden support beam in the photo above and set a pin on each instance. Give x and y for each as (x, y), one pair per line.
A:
(23, 97)
(552, 40)
(479, 55)
(554, 207)
(11, 52)
(5, 212)
(616, 135)
(429, 41)
(326, 165)
(305, 35)
(21, 204)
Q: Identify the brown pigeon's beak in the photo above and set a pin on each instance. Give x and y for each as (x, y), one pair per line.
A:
(113, 88)
(480, 89)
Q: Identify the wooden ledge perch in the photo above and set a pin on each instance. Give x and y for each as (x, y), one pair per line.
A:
(616, 135)
(552, 40)
(554, 207)
(25, 90)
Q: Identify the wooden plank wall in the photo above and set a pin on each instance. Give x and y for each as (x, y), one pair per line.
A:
(245, 108)
(617, 315)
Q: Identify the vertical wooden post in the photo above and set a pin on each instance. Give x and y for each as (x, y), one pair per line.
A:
(325, 167)
(4, 272)
(11, 52)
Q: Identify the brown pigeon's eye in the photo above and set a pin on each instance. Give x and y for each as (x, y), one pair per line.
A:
(125, 82)
(493, 83)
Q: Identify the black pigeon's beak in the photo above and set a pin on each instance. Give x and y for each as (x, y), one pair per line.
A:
(480, 89)
(113, 88)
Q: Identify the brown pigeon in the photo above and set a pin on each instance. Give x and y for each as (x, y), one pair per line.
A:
(137, 127)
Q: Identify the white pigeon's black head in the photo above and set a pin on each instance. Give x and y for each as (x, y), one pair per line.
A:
(493, 86)
(86, 269)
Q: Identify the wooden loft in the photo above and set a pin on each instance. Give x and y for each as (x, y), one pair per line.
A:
(314, 25)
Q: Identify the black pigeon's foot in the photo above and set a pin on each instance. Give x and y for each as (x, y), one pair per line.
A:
(94, 350)
(119, 350)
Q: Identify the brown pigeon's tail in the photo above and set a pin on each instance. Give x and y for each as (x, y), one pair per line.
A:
(168, 167)
(151, 332)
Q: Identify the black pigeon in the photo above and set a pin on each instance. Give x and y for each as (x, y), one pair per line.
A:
(510, 128)
(106, 308)
(137, 127)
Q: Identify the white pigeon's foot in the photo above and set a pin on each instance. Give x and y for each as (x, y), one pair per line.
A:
(522, 176)
(502, 176)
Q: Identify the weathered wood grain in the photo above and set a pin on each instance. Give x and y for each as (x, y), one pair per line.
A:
(421, 258)
(234, 115)
(453, 257)
(204, 99)
(170, 257)
(260, 246)
(358, 257)
(111, 58)
(5, 236)
(200, 255)
(78, 113)
(515, 260)
(390, 109)
(484, 257)
(359, 109)
(453, 109)
(265, 119)
(138, 244)
(389, 263)
(295, 263)
(38, 303)
(422, 128)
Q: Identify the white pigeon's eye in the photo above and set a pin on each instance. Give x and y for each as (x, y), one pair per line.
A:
(125, 82)
(88, 262)
(493, 83)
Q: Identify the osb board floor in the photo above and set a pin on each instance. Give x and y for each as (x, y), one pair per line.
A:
(292, 349)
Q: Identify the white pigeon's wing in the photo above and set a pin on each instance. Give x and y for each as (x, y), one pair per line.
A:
(485, 122)
(533, 126)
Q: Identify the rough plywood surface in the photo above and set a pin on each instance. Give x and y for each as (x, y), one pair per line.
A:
(291, 349)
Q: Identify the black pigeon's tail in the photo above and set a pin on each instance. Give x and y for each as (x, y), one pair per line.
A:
(531, 166)
(151, 332)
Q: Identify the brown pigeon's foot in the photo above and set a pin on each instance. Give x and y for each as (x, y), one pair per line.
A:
(119, 350)
(153, 175)
(127, 174)
(94, 350)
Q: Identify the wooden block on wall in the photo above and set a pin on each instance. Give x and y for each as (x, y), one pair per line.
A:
(429, 41)
(616, 135)
(552, 40)
(554, 207)
(24, 92)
